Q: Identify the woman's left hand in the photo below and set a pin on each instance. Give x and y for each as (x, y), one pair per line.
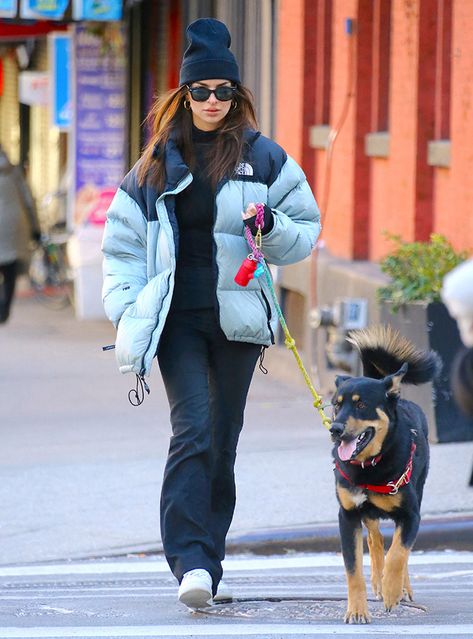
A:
(249, 218)
(250, 211)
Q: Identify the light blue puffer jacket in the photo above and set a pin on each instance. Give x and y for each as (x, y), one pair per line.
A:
(141, 239)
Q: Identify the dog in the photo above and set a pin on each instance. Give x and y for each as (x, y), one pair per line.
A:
(381, 458)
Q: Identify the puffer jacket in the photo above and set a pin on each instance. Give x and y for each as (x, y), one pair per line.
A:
(141, 240)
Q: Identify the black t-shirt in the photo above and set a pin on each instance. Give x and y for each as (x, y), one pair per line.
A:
(195, 274)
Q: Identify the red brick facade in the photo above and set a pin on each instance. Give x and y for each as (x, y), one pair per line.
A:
(405, 73)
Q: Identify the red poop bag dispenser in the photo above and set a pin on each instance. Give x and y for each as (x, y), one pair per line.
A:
(246, 272)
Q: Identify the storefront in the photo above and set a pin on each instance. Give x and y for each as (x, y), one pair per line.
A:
(117, 66)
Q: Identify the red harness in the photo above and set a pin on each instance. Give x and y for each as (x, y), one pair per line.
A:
(392, 487)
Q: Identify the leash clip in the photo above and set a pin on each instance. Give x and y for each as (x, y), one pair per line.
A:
(394, 488)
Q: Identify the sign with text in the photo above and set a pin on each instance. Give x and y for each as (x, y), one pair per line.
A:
(99, 121)
(8, 8)
(60, 64)
(43, 9)
(97, 10)
(33, 88)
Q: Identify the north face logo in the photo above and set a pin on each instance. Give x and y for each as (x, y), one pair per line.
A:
(244, 169)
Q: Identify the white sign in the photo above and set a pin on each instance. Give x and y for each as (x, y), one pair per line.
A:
(33, 88)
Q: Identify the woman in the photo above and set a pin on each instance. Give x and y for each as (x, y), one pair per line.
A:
(174, 241)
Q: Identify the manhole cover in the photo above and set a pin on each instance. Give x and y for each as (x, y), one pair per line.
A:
(306, 609)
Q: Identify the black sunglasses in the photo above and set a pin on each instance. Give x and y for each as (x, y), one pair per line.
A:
(202, 94)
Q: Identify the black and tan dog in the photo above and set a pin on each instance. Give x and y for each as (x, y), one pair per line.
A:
(381, 461)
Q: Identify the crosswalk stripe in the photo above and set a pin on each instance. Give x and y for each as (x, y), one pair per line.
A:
(235, 630)
(148, 566)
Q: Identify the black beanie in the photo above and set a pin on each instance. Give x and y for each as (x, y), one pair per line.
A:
(208, 56)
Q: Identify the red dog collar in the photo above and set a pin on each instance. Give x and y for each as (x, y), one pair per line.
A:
(392, 487)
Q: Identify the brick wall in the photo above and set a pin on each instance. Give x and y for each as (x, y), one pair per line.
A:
(339, 213)
(453, 215)
(398, 191)
(290, 81)
(393, 178)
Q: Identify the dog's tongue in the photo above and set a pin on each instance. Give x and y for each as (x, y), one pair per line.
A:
(346, 450)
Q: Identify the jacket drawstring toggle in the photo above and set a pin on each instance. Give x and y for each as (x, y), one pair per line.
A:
(136, 396)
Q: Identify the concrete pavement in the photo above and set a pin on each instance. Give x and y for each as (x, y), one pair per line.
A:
(80, 468)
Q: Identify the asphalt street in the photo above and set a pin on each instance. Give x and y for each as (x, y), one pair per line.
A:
(274, 597)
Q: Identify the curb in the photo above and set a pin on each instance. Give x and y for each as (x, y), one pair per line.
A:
(436, 533)
(440, 533)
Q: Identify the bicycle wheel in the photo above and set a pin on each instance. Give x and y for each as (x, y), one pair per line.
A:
(49, 276)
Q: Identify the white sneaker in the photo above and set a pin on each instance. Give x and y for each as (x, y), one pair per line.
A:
(223, 593)
(195, 590)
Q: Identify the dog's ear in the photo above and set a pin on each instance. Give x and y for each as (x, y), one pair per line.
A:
(393, 382)
(339, 379)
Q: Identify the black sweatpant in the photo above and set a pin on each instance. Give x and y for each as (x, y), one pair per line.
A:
(207, 378)
(8, 273)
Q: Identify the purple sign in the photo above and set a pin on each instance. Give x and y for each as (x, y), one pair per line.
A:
(99, 121)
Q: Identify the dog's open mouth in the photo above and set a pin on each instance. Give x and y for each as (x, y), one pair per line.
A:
(349, 449)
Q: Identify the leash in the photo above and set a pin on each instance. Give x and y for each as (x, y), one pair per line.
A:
(254, 266)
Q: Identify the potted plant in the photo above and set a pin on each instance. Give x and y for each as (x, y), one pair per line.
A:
(411, 303)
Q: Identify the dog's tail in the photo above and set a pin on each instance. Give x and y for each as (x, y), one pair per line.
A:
(384, 350)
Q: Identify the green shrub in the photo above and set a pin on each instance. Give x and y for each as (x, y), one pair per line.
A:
(417, 269)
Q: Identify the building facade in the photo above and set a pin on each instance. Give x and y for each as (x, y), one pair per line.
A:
(372, 97)
(374, 100)
(380, 115)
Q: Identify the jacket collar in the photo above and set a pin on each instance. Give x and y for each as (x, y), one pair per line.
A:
(176, 168)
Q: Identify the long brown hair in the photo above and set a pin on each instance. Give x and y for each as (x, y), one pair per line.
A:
(168, 116)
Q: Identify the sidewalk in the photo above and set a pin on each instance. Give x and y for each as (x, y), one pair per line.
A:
(80, 468)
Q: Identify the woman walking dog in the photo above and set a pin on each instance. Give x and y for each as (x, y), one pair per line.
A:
(173, 243)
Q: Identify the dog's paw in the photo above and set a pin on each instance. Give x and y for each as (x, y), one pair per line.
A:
(377, 588)
(358, 615)
(391, 596)
(407, 594)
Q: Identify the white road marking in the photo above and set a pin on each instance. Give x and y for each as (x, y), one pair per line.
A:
(148, 566)
(235, 630)
(453, 573)
(274, 591)
(63, 611)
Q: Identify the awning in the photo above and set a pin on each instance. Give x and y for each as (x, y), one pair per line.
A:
(16, 31)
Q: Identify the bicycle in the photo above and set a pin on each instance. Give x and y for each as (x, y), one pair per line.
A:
(49, 273)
